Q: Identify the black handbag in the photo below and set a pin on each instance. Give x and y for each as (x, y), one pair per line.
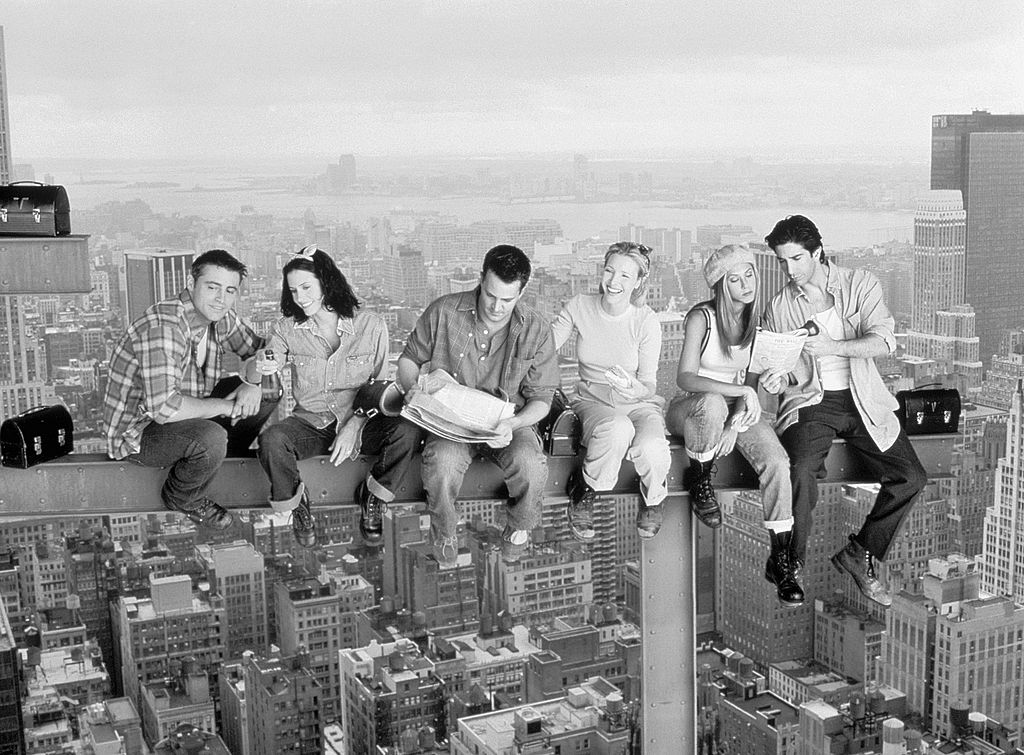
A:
(40, 434)
(28, 208)
(927, 410)
(378, 397)
(561, 429)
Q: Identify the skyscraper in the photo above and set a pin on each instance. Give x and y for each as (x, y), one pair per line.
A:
(153, 275)
(982, 155)
(5, 124)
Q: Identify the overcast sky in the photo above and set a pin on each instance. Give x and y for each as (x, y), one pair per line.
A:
(769, 79)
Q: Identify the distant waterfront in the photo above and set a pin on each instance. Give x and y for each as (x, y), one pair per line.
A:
(218, 194)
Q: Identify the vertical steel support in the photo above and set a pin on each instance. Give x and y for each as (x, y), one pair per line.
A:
(669, 610)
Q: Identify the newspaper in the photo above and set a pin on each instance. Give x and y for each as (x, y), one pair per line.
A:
(454, 411)
(776, 350)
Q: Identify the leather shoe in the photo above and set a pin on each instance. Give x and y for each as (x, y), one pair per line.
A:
(856, 560)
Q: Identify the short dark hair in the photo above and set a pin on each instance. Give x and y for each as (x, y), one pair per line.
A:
(509, 263)
(218, 258)
(338, 294)
(796, 229)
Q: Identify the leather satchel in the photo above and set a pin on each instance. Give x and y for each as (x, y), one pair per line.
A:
(28, 208)
(561, 429)
(40, 434)
(927, 410)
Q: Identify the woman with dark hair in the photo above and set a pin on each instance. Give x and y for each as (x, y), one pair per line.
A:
(333, 350)
(618, 340)
(718, 408)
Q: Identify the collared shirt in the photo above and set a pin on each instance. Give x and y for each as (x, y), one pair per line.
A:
(859, 303)
(325, 381)
(443, 334)
(156, 362)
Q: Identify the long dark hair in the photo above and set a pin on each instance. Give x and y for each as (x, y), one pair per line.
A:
(748, 319)
(338, 295)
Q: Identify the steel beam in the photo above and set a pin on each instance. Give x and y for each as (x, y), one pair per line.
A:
(92, 484)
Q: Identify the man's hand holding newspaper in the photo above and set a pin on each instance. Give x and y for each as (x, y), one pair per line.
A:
(445, 407)
(779, 352)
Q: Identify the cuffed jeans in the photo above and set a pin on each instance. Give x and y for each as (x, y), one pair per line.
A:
(635, 431)
(195, 448)
(522, 462)
(897, 468)
(700, 419)
(284, 444)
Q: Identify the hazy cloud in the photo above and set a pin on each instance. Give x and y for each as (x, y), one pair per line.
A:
(160, 78)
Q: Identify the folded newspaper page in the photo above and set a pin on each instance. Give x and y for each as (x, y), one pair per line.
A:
(776, 350)
(454, 411)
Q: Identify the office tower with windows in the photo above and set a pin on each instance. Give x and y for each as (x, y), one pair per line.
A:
(152, 275)
(982, 155)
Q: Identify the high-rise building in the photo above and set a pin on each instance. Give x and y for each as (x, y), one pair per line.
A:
(170, 702)
(310, 617)
(6, 160)
(283, 705)
(235, 573)
(750, 617)
(388, 689)
(11, 740)
(1003, 553)
(159, 633)
(586, 717)
(572, 654)
(553, 580)
(942, 326)
(956, 645)
(152, 275)
(445, 598)
(23, 379)
(982, 155)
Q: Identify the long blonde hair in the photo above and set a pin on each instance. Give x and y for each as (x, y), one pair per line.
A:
(748, 319)
(641, 255)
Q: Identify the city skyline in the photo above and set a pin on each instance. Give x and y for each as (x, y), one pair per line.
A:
(488, 77)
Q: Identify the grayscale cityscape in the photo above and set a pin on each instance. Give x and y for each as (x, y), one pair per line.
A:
(401, 143)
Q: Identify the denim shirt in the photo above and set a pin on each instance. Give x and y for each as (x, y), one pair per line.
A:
(858, 297)
(443, 333)
(324, 383)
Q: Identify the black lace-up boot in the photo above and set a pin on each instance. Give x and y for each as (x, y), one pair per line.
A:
(703, 500)
(779, 570)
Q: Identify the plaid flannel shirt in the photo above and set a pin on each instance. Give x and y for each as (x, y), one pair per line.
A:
(442, 337)
(155, 363)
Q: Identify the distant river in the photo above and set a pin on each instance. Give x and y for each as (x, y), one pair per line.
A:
(223, 197)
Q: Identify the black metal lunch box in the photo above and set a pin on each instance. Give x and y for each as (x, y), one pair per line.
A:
(32, 209)
(37, 435)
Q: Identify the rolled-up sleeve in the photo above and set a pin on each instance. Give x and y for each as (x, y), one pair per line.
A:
(420, 345)
(542, 377)
(160, 352)
(875, 318)
(241, 339)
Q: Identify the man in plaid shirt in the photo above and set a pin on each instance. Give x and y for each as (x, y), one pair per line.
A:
(489, 340)
(167, 402)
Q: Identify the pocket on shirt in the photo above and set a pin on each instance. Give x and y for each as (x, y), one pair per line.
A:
(358, 368)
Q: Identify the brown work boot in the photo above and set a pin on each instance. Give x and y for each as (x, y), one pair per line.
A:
(303, 523)
(371, 515)
(856, 560)
(580, 511)
(207, 513)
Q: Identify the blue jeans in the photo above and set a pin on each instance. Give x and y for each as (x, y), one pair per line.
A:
(195, 448)
(897, 469)
(700, 419)
(284, 444)
(522, 461)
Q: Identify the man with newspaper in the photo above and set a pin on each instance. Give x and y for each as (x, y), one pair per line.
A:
(486, 339)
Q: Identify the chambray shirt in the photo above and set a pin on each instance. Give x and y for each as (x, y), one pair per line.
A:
(324, 382)
(156, 362)
(859, 302)
(444, 333)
